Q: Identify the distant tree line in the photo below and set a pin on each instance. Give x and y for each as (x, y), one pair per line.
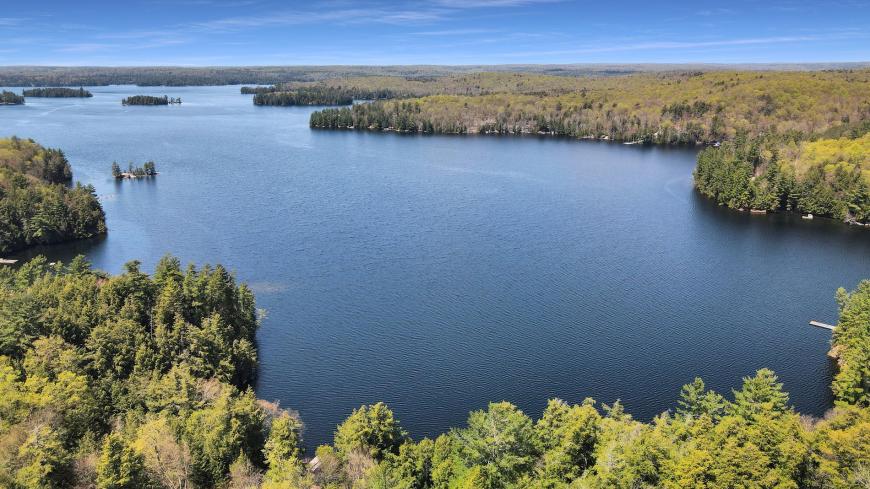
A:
(59, 92)
(150, 100)
(305, 96)
(407, 117)
(258, 90)
(36, 204)
(10, 98)
(18, 76)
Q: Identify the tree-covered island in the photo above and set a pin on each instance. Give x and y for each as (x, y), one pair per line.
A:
(148, 169)
(10, 98)
(58, 92)
(150, 100)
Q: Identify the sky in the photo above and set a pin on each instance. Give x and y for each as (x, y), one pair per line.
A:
(456, 32)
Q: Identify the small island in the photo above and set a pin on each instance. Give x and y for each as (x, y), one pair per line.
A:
(146, 170)
(10, 98)
(58, 92)
(149, 100)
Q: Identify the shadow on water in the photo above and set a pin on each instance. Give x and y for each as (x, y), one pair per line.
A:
(786, 225)
(63, 252)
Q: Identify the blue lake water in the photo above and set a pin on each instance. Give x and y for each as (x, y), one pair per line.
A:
(440, 273)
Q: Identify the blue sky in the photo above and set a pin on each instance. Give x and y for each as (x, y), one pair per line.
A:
(258, 32)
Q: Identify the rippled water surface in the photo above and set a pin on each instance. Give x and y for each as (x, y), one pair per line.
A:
(440, 273)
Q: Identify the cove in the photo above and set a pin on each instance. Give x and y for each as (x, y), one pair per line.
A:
(437, 274)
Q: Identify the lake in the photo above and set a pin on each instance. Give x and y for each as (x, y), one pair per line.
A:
(438, 273)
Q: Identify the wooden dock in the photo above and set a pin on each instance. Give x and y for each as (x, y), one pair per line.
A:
(820, 324)
(4, 261)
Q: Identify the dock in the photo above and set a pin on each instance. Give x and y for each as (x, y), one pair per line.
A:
(820, 324)
(4, 261)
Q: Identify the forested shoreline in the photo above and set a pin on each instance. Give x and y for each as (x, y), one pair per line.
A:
(135, 381)
(37, 205)
(789, 141)
(685, 108)
(824, 177)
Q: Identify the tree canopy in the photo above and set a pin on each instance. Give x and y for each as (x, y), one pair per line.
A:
(144, 381)
(57, 92)
(37, 205)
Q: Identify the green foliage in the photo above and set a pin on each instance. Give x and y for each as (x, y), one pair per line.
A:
(851, 345)
(27, 157)
(120, 467)
(568, 436)
(144, 381)
(824, 177)
(501, 441)
(10, 98)
(695, 401)
(148, 169)
(89, 356)
(58, 92)
(656, 108)
(256, 90)
(150, 100)
(305, 96)
(372, 430)
(36, 207)
(283, 448)
(761, 395)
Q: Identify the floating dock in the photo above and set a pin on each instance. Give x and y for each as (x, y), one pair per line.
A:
(820, 324)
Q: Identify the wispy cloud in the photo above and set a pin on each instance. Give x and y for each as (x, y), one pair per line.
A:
(465, 4)
(11, 21)
(684, 45)
(454, 32)
(339, 16)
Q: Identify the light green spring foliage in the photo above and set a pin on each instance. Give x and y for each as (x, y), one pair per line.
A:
(826, 177)
(659, 108)
(371, 430)
(138, 381)
(120, 467)
(36, 205)
(155, 370)
(852, 383)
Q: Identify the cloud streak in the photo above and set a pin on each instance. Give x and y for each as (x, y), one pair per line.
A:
(687, 45)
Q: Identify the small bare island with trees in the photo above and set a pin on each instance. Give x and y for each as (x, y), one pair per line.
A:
(148, 169)
(10, 98)
(150, 100)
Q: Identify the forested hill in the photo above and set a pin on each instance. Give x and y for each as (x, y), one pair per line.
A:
(136, 381)
(36, 204)
(656, 108)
